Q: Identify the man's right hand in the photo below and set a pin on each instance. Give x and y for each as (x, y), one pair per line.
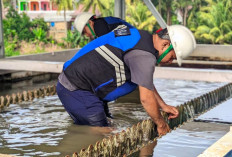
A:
(150, 104)
(162, 127)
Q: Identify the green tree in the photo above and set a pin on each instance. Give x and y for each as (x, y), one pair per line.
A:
(100, 5)
(65, 5)
(193, 19)
(139, 16)
(7, 3)
(215, 25)
(40, 35)
(74, 39)
(168, 8)
(183, 6)
(24, 28)
(109, 11)
(16, 25)
(40, 23)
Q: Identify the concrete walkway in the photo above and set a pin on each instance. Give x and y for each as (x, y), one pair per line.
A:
(209, 75)
(219, 148)
(28, 65)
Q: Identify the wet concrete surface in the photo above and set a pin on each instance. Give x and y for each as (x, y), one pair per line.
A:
(31, 83)
(219, 114)
(43, 128)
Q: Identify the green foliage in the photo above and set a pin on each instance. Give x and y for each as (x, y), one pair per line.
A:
(106, 7)
(40, 23)
(16, 25)
(139, 16)
(21, 27)
(101, 5)
(40, 35)
(64, 4)
(24, 28)
(10, 48)
(210, 20)
(10, 24)
(109, 11)
(7, 3)
(18, 28)
(83, 41)
(184, 6)
(74, 39)
(214, 23)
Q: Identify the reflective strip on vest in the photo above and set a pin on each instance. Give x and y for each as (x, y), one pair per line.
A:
(115, 61)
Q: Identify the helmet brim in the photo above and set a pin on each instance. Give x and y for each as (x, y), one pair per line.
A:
(81, 21)
(178, 58)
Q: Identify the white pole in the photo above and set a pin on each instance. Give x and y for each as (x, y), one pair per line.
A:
(119, 9)
(157, 15)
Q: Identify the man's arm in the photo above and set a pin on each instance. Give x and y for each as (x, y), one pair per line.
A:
(158, 98)
(172, 111)
(150, 104)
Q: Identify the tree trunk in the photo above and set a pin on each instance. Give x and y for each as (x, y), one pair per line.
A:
(3, 9)
(182, 15)
(185, 15)
(168, 15)
(13, 3)
(160, 7)
(65, 21)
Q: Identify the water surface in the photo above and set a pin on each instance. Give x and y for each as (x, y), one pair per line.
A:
(43, 128)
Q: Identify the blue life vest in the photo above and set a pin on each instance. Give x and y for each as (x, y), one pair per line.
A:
(99, 67)
(105, 25)
(113, 20)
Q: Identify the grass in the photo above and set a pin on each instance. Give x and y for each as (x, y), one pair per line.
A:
(26, 48)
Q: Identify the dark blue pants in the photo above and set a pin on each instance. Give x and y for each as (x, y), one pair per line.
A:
(83, 106)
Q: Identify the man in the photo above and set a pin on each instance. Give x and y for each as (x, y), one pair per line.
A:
(92, 27)
(113, 65)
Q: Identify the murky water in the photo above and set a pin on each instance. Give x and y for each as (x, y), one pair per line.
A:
(43, 128)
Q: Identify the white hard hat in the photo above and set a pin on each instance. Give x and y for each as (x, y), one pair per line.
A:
(182, 40)
(81, 20)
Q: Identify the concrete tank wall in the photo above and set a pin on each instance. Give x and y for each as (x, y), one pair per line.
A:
(213, 52)
(203, 51)
(59, 56)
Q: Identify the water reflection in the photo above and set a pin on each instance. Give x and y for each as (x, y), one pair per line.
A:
(34, 128)
(43, 128)
(189, 140)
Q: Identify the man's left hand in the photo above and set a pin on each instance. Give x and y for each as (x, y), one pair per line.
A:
(171, 111)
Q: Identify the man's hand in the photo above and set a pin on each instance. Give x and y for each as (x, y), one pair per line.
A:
(171, 111)
(162, 127)
(152, 107)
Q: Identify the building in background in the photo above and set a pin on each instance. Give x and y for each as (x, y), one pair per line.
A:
(36, 5)
(48, 11)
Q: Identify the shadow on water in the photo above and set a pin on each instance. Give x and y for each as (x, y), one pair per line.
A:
(43, 128)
